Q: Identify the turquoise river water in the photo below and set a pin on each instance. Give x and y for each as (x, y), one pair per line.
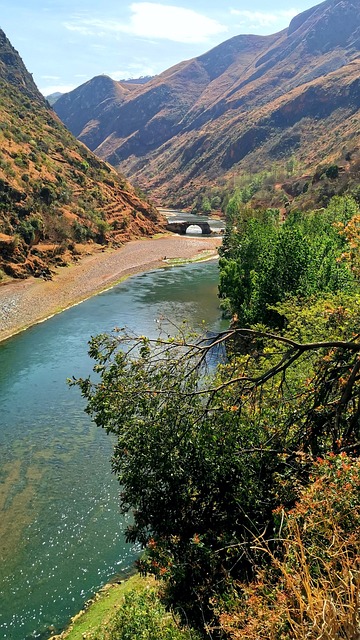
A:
(61, 534)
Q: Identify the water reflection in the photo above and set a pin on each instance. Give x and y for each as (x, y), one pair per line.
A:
(61, 534)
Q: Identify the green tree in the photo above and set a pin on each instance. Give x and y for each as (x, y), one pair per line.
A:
(262, 261)
(204, 456)
(205, 204)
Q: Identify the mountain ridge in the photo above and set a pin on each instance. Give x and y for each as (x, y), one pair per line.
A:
(215, 114)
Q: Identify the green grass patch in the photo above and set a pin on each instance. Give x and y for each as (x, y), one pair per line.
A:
(93, 618)
(127, 611)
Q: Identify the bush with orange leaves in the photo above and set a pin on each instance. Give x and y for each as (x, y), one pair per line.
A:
(351, 232)
(311, 590)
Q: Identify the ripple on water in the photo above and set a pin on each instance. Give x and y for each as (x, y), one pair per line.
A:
(61, 532)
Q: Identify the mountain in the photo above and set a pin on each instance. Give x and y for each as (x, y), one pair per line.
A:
(87, 110)
(57, 199)
(249, 103)
(52, 97)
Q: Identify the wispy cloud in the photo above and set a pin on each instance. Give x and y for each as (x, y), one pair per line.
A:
(133, 70)
(152, 20)
(50, 77)
(261, 19)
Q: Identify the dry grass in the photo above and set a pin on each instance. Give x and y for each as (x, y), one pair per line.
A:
(311, 590)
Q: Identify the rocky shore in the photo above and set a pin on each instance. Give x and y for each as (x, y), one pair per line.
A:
(26, 302)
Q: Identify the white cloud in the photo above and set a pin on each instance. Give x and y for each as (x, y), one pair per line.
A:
(50, 77)
(261, 19)
(152, 20)
(133, 70)
(81, 28)
(99, 47)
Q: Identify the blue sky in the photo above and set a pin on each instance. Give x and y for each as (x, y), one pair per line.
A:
(66, 42)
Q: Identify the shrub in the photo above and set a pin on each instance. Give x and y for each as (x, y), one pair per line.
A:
(312, 588)
(81, 232)
(142, 616)
(30, 229)
(332, 172)
(103, 228)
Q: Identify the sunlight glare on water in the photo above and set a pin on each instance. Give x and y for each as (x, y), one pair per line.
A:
(61, 532)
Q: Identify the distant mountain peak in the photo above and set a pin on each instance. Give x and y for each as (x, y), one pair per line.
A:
(236, 107)
(299, 20)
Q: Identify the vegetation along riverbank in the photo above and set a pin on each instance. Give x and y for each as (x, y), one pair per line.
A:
(236, 452)
(245, 483)
(130, 608)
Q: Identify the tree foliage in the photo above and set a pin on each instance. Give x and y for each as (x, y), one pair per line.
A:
(262, 261)
(204, 455)
(214, 435)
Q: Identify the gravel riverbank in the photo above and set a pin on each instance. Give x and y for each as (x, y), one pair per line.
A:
(26, 302)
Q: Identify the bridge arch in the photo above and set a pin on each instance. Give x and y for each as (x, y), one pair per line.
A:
(194, 228)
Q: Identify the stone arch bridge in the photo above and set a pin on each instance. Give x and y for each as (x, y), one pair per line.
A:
(182, 227)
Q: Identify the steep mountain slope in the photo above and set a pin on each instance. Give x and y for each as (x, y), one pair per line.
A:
(250, 102)
(55, 195)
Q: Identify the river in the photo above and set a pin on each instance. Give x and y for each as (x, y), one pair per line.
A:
(61, 535)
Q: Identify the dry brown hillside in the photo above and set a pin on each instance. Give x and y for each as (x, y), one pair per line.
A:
(250, 103)
(57, 199)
